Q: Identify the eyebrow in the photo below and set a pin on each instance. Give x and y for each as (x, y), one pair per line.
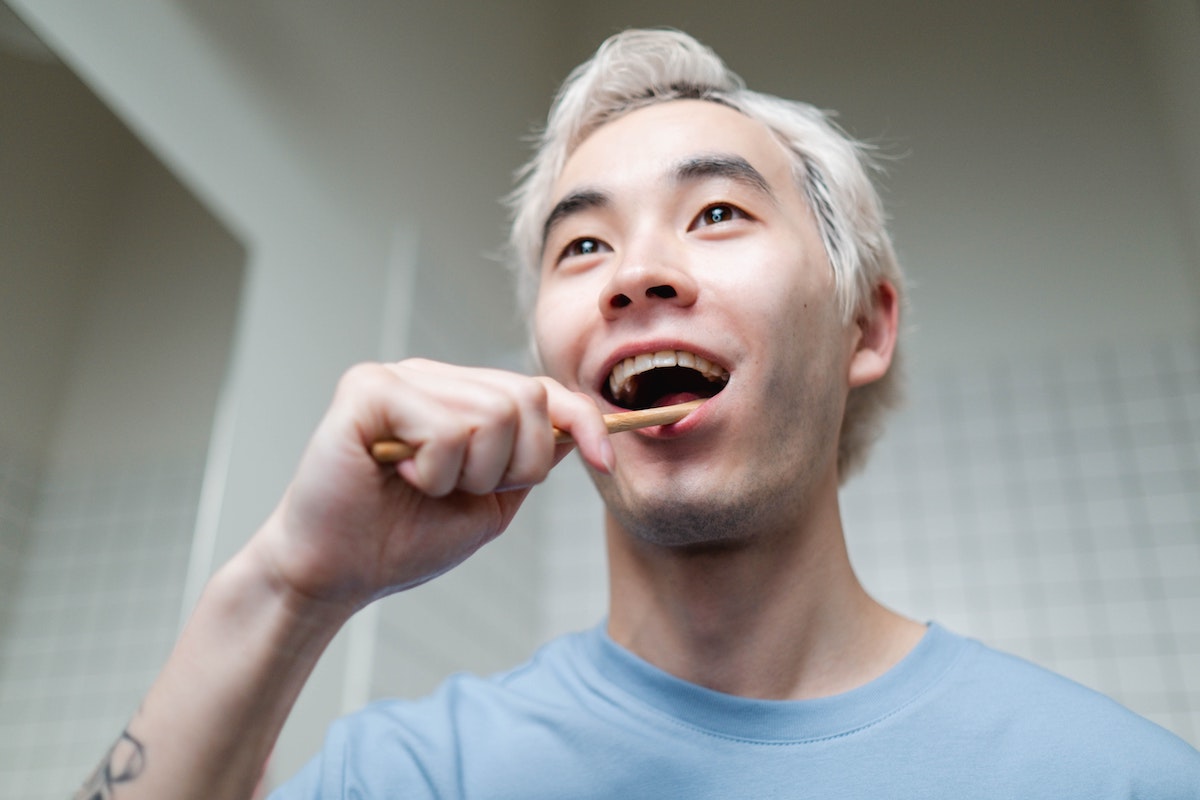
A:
(690, 170)
(574, 203)
(731, 167)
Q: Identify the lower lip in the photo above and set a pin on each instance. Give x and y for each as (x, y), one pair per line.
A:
(684, 426)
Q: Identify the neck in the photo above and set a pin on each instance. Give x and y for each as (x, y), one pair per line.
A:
(777, 615)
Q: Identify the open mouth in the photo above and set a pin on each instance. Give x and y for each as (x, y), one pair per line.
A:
(667, 376)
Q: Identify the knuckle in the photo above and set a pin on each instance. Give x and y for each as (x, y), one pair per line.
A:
(359, 377)
(437, 470)
(450, 433)
(533, 393)
(437, 485)
(584, 399)
(477, 485)
(524, 475)
(414, 363)
(499, 407)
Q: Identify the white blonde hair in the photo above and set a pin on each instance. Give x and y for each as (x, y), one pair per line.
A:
(638, 68)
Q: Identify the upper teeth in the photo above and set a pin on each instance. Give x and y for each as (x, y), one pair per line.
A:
(621, 383)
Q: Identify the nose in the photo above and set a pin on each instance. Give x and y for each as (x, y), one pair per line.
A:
(645, 282)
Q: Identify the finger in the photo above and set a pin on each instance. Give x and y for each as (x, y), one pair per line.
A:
(532, 447)
(490, 448)
(442, 438)
(533, 451)
(460, 421)
(509, 438)
(578, 415)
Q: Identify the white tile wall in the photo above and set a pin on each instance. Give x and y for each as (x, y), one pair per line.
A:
(17, 493)
(573, 554)
(1050, 507)
(100, 590)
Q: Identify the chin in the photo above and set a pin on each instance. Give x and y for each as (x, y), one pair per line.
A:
(691, 521)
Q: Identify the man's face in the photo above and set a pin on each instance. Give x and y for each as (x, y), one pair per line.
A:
(680, 230)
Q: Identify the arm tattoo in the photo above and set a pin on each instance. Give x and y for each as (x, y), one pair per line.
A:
(123, 763)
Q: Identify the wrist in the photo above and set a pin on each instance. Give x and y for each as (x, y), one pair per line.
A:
(259, 575)
(213, 715)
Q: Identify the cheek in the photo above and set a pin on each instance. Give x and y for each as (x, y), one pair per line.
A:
(553, 339)
(791, 297)
(799, 321)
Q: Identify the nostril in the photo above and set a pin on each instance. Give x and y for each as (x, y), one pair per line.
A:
(663, 291)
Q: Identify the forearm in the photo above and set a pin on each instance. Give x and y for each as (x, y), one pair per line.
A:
(208, 724)
(346, 531)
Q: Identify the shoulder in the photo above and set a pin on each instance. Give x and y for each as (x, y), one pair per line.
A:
(467, 699)
(422, 744)
(1031, 715)
(1001, 681)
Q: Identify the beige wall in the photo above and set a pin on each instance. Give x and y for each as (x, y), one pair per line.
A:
(1169, 37)
(155, 328)
(50, 174)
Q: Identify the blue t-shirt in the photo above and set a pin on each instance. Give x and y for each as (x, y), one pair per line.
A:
(587, 719)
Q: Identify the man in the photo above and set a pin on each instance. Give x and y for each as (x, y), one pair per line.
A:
(682, 238)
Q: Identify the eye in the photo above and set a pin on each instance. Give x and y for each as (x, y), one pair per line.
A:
(582, 247)
(716, 214)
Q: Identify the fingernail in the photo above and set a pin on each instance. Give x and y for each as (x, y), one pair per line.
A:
(607, 455)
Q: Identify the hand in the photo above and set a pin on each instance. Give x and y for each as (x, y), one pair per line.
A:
(350, 530)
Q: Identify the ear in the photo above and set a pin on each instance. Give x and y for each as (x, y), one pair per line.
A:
(875, 336)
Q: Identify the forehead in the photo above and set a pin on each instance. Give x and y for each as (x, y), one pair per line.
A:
(645, 145)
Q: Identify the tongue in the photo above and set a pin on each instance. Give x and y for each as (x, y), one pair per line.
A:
(675, 397)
